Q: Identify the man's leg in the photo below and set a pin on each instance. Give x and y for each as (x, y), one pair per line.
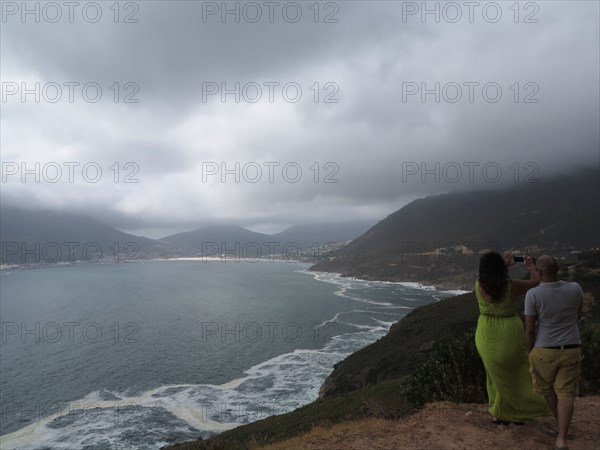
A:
(542, 372)
(566, 387)
(565, 409)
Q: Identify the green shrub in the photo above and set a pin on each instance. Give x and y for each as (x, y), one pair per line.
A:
(453, 372)
(590, 366)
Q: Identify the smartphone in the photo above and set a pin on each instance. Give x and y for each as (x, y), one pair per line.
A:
(518, 258)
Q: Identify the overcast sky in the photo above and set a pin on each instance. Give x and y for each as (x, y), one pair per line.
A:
(518, 93)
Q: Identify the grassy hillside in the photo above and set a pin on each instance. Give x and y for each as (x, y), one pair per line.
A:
(404, 347)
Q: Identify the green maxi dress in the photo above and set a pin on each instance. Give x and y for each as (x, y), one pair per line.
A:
(500, 341)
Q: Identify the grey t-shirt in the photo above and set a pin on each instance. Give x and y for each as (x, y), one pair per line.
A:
(556, 306)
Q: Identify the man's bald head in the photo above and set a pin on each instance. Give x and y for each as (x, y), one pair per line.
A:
(547, 264)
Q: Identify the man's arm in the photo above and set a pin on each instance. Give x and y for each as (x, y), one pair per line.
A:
(530, 332)
(531, 315)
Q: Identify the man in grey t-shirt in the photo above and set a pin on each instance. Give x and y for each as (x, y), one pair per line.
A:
(555, 347)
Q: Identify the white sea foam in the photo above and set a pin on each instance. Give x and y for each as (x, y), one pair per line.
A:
(275, 386)
(336, 278)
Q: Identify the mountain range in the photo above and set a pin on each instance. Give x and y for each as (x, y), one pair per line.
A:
(433, 237)
(30, 237)
(442, 235)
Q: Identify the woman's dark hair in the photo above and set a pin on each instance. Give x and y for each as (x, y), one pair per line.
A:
(493, 275)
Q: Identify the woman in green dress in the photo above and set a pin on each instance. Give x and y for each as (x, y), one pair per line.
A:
(500, 341)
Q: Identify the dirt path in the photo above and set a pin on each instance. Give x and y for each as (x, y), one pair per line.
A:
(448, 425)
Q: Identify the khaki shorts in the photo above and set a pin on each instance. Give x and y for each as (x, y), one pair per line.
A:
(555, 371)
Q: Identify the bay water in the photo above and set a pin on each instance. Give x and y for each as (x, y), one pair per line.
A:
(141, 355)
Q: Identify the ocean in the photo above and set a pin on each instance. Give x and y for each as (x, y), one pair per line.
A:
(142, 355)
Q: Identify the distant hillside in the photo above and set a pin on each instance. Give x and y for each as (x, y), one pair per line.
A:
(308, 235)
(31, 237)
(433, 237)
(217, 239)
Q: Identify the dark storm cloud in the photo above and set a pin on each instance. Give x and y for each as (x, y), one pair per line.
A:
(373, 144)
